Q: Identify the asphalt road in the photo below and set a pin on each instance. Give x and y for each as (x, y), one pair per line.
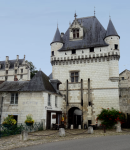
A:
(121, 142)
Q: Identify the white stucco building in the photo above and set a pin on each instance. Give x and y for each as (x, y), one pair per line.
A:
(39, 97)
(17, 69)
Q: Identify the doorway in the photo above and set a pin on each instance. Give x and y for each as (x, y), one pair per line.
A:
(74, 117)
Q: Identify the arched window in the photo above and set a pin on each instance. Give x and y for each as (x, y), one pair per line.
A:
(76, 33)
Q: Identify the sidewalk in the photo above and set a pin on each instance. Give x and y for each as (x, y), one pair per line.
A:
(13, 141)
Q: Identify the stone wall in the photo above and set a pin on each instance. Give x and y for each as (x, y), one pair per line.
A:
(124, 91)
(101, 67)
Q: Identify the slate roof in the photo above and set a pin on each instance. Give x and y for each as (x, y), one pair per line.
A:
(57, 37)
(50, 76)
(40, 82)
(94, 34)
(12, 86)
(111, 31)
(12, 62)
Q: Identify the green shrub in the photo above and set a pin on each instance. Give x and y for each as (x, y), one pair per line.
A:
(110, 117)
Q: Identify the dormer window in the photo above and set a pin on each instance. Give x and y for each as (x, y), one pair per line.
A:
(15, 65)
(6, 65)
(75, 33)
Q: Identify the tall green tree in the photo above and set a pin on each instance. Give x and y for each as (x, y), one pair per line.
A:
(33, 70)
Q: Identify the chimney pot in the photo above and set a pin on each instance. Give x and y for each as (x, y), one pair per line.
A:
(7, 58)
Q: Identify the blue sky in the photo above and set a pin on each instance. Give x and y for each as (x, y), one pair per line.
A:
(28, 26)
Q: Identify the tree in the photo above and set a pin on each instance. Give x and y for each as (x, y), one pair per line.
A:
(33, 70)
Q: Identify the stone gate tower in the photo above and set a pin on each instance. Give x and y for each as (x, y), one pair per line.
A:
(85, 59)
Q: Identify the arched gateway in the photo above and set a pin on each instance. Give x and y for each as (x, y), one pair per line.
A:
(74, 117)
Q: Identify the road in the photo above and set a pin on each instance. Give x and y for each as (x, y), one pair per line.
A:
(120, 142)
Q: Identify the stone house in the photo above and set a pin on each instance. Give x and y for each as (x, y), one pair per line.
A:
(85, 59)
(11, 70)
(124, 94)
(39, 96)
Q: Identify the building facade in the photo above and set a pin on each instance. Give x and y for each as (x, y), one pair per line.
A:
(124, 91)
(17, 69)
(38, 97)
(85, 59)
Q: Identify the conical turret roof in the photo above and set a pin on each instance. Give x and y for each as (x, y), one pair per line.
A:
(57, 37)
(111, 31)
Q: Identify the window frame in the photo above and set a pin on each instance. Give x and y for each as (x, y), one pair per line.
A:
(76, 33)
(21, 76)
(22, 70)
(74, 76)
(6, 78)
(14, 101)
(91, 49)
(116, 46)
(49, 100)
(52, 53)
(56, 104)
(122, 78)
(15, 71)
(73, 51)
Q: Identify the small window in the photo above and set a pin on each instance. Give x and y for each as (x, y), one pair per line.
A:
(21, 76)
(52, 53)
(21, 70)
(15, 71)
(14, 98)
(56, 101)
(76, 33)
(6, 78)
(15, 65)
(122, 78)
(7, 66)
(116, 46)
(6, 71)
(73, 51)
(92, 49)
(74, 76)
(49, 100)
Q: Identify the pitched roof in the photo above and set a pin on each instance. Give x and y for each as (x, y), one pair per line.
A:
(12, 86)
(111, 31)
(57, 37)
(40, 82)
(11, 62)
(50, 76)
(124, 71)
(94, 34)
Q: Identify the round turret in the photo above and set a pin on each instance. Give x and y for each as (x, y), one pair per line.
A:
(112, 37)
(56, 44)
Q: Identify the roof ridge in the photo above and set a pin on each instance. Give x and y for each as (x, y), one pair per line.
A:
(86, 17)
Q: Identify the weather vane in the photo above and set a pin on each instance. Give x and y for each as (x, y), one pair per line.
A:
(75, 15)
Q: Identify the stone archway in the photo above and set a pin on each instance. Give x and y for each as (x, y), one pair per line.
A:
(74, 117)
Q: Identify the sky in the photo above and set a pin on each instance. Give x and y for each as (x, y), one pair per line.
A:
(27, 27)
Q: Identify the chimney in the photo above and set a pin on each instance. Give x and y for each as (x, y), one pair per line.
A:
(62, 34)
(17, 57)
(7, 58)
